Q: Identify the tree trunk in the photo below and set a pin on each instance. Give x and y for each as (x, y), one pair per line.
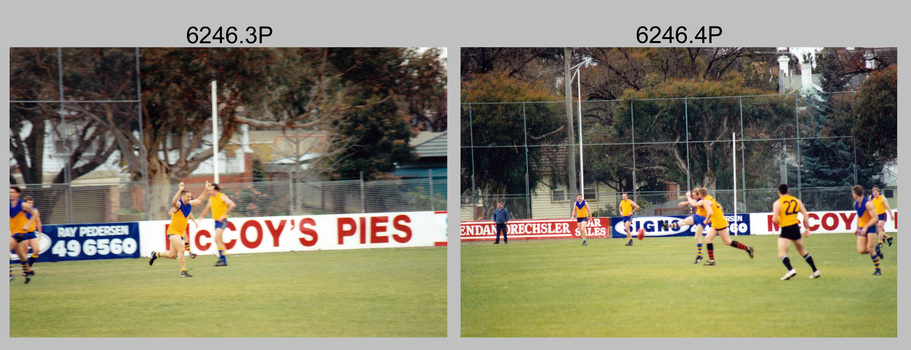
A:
(708, 179)
(160, 192)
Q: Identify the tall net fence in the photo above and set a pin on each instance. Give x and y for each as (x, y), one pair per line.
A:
(527, 154)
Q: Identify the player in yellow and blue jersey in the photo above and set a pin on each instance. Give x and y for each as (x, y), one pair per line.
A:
(581, 213)
(881, 205)
(221, 205)
(31, 238)
(866, 223)
(183, 201)
(19, 224)
(627, 208)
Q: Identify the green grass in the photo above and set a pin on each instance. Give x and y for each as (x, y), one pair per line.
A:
(558, 288)
(342, 293)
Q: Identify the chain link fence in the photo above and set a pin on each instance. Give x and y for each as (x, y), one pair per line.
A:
(125, 201)
(527, 154)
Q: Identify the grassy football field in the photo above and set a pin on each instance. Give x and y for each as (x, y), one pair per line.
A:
(398, 292)
(558, 288)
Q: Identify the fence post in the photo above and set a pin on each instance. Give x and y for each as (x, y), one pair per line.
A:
(68, 194)
(853, 139)
(471, 137)
(363, 205)
(430, 182)
(527, 186)
(632, 132)
(147, 199)
(686, 115)
(799, 161)
(291, 194)
(473, 199)
(743, 161)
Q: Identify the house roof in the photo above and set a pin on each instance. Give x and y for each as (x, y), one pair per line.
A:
(430, 144)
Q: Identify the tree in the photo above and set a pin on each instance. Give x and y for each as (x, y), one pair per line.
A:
(619, 69)
(398, 91)
(533, 64)
(90, 75)
(302, 88)
(876, 125)
(660, 126)
(872, 111)
(369, 140)
(826, 159)
(425, 94)
(497, 165)
(841, 68)
(82, 129)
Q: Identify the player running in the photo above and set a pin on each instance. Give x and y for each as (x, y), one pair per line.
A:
(184, 202)
(881, 205)
(581, 213)
(784, 213)
(19, 223)
(221, 206)
(186, 242)
(627, 208)
(31, 238)
(719, 226)
(696, 219)
(866, 220)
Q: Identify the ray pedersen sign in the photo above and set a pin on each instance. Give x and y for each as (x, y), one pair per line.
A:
(88, 242)
(660, 226)
(300, 233)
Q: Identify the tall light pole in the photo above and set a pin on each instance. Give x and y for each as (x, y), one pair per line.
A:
(578, 76)
(215, 130)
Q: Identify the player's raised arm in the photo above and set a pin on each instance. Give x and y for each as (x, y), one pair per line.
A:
(689, 200)
(177, 195)
(202, 196)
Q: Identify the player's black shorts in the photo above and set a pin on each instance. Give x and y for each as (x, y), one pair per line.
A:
(791, 232)
(19, 237)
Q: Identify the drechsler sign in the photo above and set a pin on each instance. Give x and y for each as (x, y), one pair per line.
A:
(530, 229)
